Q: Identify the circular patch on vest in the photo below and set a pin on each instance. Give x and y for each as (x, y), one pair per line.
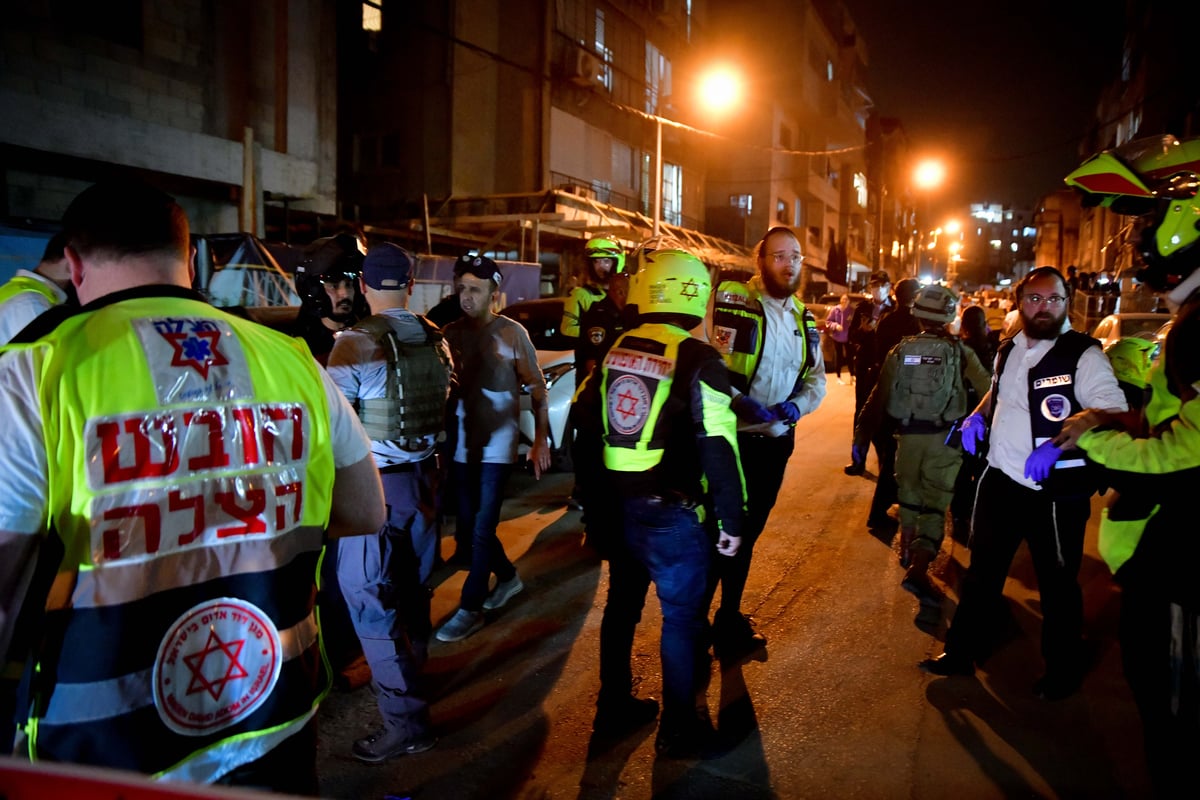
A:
(596, 335)
(1056, 407)
(216, 665)
(628, 405)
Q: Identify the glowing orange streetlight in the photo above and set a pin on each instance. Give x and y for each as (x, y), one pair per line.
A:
(929, 174)
(719, 89)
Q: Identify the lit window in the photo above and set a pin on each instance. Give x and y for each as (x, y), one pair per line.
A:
(781, 211)
(860, 188)
(672, 194)
(372, 15)
(658, 79)
(606, 55)
(828, 70)
(995, 243)
(745, 202)
(1013, 247)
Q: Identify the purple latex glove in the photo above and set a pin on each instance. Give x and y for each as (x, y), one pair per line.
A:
(858, 453)
(750, 410)
(1041, 461)
(786, 412)
(973, 429)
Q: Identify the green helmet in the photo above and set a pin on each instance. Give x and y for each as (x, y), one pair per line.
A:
(935, 302)
(606, 248)
(1131, 357)
(670, 282)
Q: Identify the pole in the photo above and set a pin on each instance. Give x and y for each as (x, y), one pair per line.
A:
(657, 174)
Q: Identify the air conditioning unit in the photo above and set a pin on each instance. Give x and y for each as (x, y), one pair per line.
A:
(587, 70)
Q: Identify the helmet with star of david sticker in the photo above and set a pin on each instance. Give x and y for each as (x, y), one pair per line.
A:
(670, 281)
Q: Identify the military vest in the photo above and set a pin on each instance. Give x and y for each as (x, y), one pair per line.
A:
(928, 384)
(414, 409)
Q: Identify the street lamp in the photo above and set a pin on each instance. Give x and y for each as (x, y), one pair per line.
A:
(718, 90)
(928, 175)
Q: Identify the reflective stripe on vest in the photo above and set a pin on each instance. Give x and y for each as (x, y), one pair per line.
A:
(19, 284)
(190, 504)
(638, 373)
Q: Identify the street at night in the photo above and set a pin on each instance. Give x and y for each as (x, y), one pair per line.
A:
(838, 708)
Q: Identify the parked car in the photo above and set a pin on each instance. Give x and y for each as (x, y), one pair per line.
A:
(1117, 326)
(556, 356)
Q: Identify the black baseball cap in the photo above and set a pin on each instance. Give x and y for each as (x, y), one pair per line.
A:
(479, 266)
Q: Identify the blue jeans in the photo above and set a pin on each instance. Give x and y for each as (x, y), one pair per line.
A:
(381, 579)
(480, 490)
(671, 543)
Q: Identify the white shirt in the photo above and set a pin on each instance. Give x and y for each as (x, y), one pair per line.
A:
(1011, 440)
(24, 307)
(779, 365)
(23, 457)
(359, 367)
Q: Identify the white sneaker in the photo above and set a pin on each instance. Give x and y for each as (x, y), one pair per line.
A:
(504, 591)
(460, 626)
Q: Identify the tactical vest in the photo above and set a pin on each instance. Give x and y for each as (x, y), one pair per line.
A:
(739, 331)
(928, 384)
(180, 635)
(580, 300)
(638, 373)
(414, 408)
(1051, 400)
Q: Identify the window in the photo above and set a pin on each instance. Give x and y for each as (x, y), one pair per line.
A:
(372, 15)
(742, 202)
(797, 209)
(781, 211)
(828, 70)
(606, 54)
(658, 79)
(860, 188)
(672, 194)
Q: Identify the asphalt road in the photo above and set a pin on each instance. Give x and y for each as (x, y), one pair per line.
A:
(837, 709)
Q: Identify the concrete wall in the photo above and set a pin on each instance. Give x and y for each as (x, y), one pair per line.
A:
(173, 103)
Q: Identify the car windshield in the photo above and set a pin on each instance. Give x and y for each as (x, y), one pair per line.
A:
(1140, 326)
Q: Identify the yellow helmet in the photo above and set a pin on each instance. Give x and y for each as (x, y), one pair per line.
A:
(671, 281)
(606, 248)
(1131, 358)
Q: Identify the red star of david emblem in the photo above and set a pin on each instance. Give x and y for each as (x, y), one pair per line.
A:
(223, 654)
(690, 289)
(197, 349)
(626, 404)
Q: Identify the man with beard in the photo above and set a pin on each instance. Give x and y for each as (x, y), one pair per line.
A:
(772, 349)
(1044, 374)
(605, 258)
(327, 282)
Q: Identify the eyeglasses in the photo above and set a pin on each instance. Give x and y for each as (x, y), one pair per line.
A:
(785, 257)
(1054, 300)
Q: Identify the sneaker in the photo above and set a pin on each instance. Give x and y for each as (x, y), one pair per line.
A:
(504, 591)
(855, 468)
(460, 626)
(617, 717)
(388, 742)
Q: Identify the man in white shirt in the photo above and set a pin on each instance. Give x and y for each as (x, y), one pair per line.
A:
(772, 349)
(28, 294)
(1030, 490)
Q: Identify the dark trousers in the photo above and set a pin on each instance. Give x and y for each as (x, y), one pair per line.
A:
(764, 460)
(886, 490)
(843, 357)
(1006, 513)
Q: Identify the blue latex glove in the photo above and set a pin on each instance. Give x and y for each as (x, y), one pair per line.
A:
(750, 410)
(858, 453)
(1041, 461)
(973, 429)
(786, 412)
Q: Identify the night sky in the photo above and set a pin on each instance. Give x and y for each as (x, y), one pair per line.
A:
(1001, 90)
